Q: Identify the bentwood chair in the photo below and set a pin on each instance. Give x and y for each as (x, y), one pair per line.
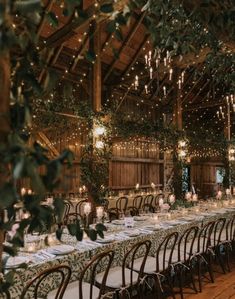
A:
(121, 207)
(39, 286)
(183, 267)
(156, 200)
(160, 266)
(216, 245)
(137, 203)
(202, 256)
(79, 208)
(90, 290)
(228, 240)
(125, 276)
(148, 203)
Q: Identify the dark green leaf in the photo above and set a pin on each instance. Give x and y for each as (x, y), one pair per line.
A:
(92, 234)
(101, 227)
(100, 233)
(79, 235)
(59, 233)
(52, 19)
(72, 228)
(106, 8)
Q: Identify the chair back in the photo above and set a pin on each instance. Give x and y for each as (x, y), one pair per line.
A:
(79, 208)
(165, 252)
(121, 203)
(230, 229)
(138, 251)
(217, 232)
(95, 265)
(157, 198)
(186, 244)
(148, 203)
(204, 237)
(72, 218)
(137, 202)
(36, 287)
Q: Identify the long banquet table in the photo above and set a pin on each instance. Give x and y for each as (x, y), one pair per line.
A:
(84, 250)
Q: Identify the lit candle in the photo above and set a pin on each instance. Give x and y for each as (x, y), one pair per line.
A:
(164, 90)
(87, 208)
(172, 198)
(151, 73)
(219, 194)
(99, 212)
(23, 191)
(30, 192)
(31, 247)
(171, 72)
(137, 186)
(227, 191)
(161, 201)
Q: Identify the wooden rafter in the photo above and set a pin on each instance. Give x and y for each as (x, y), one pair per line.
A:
(79, 53)
(136, 56)
(125, 44)
(43, 19)
(76, 22)
(47, 142)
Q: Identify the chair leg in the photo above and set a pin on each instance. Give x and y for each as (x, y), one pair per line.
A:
(219, 257)
(169, 282)
(209, 261)
(192, 279)
(199, 274)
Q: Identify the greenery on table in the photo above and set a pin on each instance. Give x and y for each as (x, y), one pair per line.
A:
(175, 26)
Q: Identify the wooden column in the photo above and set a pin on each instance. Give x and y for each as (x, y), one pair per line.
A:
(177, 108)
(178, 122)
(95, 47)
(4, 125)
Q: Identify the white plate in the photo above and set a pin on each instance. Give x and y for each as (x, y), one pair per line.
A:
(105, 240)
(152, 227)
(133, 233)
(140, 218)
(118, 222)
(14, 262)
(61, 249)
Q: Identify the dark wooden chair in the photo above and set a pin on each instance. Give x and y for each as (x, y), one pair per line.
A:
(125, 276)
(156, 201)
(121, 207)
(229, 240)
(202, 253)
(148, 203)
(216, 245)
(183, 266)
(90, 290)
(159, 268)
(37, 287)
(79, 207)
(137, 204)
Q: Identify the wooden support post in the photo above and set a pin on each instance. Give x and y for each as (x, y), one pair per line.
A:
(4, 125)
(95, 47)
(177, 108)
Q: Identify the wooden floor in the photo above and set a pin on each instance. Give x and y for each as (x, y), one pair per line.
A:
(222, 288)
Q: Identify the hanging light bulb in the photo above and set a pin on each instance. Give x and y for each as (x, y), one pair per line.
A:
(151, 73)
(170, 74)
(146, 89)
(164, 90)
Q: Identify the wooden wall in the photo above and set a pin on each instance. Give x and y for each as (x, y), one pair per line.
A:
(203, 176)
(135, 162)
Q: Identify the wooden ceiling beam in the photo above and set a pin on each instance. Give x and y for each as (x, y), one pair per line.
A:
(46, 9)
(203, 106)
(125, 44)
(79, 53)
(47, 142)
(76, 22)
